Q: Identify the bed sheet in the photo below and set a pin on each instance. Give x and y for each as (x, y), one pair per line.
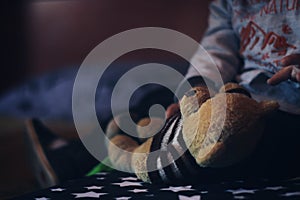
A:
(120, 185)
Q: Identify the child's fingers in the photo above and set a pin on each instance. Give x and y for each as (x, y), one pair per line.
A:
(293, 59)
(282, 75)
(296, 73)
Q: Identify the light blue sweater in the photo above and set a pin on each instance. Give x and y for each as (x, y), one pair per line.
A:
(246, 39)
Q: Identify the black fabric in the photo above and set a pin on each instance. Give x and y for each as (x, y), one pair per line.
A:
(45, 136)
(184, 168)
(72, 161)
(277, 154)
(107, 186)
(68, 162)
(162, 154)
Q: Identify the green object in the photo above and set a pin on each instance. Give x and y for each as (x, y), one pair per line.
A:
(101, 167)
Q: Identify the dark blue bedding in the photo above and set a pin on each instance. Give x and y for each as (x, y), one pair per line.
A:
(119, 185)
(50, 95)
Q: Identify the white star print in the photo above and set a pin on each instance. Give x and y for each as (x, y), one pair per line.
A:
(57, 189)
(41, 198)
(102, 173)
(94, 187)
(138, 190)
(274, 188)
(123, 198)
(195, 197)
(149, 195)
(241, 191)
(129, 179)
(179, 189)
(289, 194)
(239, 197)
(88, 194)
(100, 178)
(128, 183)
(294, 179)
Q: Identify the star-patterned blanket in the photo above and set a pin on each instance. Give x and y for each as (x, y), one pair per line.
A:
(123, 186)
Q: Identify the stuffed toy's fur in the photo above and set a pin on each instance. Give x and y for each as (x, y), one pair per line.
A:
(208, 133)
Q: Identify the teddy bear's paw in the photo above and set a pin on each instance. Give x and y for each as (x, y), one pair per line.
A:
(148, 127)
(116, 125)
(139, 160)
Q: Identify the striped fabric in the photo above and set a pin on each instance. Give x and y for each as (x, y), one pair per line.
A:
(169, 155)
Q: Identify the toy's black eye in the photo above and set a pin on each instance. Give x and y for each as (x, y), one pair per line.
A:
(190, 93)
(240, 91)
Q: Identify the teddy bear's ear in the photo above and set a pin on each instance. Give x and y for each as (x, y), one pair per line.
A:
(193, 99)
(268, 107)
(234, 88)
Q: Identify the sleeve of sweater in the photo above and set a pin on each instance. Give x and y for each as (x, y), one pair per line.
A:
(221, 43)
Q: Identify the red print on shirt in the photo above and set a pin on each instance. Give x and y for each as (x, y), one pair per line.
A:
(252, 34)
(287, 29)
(280, 6)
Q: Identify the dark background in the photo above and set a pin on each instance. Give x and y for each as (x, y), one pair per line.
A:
(38, 37)
(13, 48)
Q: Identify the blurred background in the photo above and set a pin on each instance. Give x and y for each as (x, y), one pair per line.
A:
(43, 42)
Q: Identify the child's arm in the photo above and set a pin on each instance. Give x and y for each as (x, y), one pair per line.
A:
(221, 43)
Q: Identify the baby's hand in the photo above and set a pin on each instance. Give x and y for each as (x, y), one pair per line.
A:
(290, 70)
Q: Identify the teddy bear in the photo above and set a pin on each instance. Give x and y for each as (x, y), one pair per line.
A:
(212, 132)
